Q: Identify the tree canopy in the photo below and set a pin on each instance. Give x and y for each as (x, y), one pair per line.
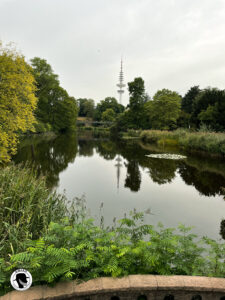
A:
(209, 108)
(108, 102)
(86, 107)
(55, 106)
(17, 99)
(164, 110)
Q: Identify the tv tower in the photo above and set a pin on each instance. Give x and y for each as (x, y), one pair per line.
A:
(121, 85)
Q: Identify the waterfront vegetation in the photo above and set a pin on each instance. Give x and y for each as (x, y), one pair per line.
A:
(209, 142)
(56, 242)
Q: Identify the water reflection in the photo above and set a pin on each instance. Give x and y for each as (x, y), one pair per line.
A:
(222, 229)
(133, 178)
(50, 156)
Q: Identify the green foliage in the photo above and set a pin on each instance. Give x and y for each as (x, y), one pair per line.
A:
(58, 243)
(86, 107)
(108, 115)
(137, 116)
(108, 103)
(55, 106)
(164, 110)
(77, 248)
(17, 100)
(26, 207)
(188, 99)
(137, 93)
(41, 127)
(210, 142)
(209, 108)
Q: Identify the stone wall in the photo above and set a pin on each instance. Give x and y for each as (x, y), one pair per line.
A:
(133, 287)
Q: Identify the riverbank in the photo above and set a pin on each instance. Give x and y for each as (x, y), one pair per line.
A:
(210, 143)
(95, 131)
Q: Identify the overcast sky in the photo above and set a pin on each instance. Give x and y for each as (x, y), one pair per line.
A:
(172, 44)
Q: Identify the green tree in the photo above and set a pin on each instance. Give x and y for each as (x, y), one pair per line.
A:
(17, 100)
(164, 110)
(138, 98)
(108, 102)
(47, 89)
(65, 115)
(188, 99)
(55, 106)
(209, 108)
(108, 115)
(86, 107)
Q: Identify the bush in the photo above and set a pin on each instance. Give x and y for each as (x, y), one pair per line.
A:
(77, 248)
(41, 127)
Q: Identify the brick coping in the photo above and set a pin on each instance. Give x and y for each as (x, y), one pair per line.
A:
(129, 284)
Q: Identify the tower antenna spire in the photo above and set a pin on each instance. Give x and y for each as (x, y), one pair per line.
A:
(121, 85)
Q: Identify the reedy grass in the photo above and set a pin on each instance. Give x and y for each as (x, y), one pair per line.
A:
(209, 142)
(26, 207)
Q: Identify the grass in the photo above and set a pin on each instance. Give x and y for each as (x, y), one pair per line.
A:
(26, 207)
(210, 142)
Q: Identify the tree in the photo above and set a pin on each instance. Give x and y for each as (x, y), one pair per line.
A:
(55, 106)
(108, 115)
(17, 100)
(209, 108)
(164, 110)
(188, 99)
(47, 88)
(86, 107)
(108, 102)
(137, 100)
(65, 115)
(137, 93)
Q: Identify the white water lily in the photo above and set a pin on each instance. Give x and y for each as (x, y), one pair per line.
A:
(167, 156)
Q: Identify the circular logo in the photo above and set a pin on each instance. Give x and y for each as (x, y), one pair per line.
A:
(21, 280)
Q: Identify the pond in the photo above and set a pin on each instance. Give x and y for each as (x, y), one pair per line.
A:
(119, 176)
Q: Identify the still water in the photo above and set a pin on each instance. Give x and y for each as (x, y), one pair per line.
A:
(122, 177)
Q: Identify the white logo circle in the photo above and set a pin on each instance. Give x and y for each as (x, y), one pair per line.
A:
(21, 280)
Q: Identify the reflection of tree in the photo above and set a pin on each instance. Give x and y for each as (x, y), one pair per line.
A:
(107, 149)
(133, 179)
(162, 170)
(49, 158)
(86, 147)
(207, 183)
(222, 229)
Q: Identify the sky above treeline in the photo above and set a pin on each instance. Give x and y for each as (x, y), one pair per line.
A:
(172, 44)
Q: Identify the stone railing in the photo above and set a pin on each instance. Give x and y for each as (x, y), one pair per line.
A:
(133, 287)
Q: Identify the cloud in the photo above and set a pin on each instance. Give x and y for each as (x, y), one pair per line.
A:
(170, 43)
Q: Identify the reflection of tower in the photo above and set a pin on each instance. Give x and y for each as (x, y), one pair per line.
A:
(118, 165)
(121, 85)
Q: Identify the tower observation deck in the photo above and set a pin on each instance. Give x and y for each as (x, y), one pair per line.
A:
(121, 85)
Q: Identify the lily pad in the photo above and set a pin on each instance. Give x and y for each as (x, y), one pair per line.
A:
(167, 156)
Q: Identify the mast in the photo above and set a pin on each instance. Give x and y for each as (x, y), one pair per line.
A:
(121, 85)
